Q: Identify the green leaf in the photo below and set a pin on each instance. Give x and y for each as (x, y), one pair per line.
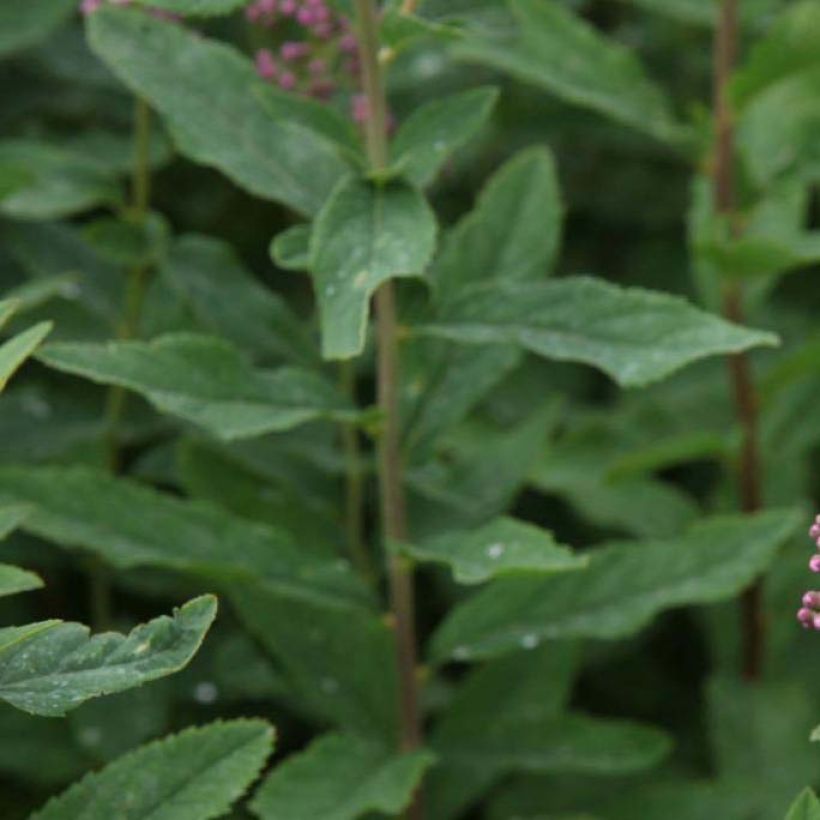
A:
(315, 646)
(636, 336)
(127, 243)
(16, 350)
(505, 546)
(58, 183)
(623, 587)
(513, 232)
(195, 775)
(129, 525)
(14, 580)
(554, 49)
(570, 743)
(289, 250)
(205, 380)
(789, 47)
(340, 777)
(218, 110)
(806, 807)
(365, 235)
(229, 301)
(195, 7)
(56, 666)
(23, 25)
(437, 129)
(11, 516)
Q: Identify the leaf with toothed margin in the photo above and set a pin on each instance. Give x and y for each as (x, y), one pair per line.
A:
(205, 380)
(340, 777)
(636, 336)
(505, 546)
(130, 525)
(623, 587)
(194, 775)
(365, 235)
(51, 668)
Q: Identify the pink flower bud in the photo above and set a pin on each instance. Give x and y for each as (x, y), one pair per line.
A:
(294, 51)
(287, 82)
(306, 17)
(805, 616)
(360, 111)
(287, 8)
(816, 622)
(814, 563)
(266, 66)
(349, 44)
(814, 532)
(90, 6)
(811, 599)
(317, 67)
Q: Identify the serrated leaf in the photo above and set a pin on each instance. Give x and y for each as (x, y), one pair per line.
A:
(23, 25)
(623, 587)
(556, 50)
(365, 235)
(58, 183)
(57, 667)
(806, 807)
(229, 301)
(205, 380)
(340, 777)
(16, 350)
(505, 546)
(313, 647)
(195, 775)
(512, 233)
(219, 111)
(130, 525)
(636, 336)
(437, 129)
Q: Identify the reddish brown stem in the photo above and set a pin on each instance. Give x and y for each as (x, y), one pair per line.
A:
(740, 369)
(390, 468)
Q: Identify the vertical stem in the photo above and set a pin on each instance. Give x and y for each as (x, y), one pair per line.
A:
(740, 370)
(99, 577)
(391, 489)
(354, 495)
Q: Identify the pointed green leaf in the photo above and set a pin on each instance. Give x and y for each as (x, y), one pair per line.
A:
(25, 24)
(57, 667)
(636, 336)
(365, 235)
(512, 233)
(623, 587)
(195, 775)
(11, 516)
(340, 777)
(806, 807)
(437, 129)
(58, 183)
(219, 111)
(205, 380)
(14, 580)
(130, 525)
(17, 349)
(558, 51)
(505, 546)
(289, 250)
(229, 301)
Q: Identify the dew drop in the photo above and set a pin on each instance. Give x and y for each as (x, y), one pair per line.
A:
(90, 736)
(205, 692)
(495, 550)
(529, 641)
(461, 653)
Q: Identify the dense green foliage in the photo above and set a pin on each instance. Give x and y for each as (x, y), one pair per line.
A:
(200, 400)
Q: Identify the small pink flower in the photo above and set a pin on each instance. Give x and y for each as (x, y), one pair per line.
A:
(266, 66)
(306, 17)
(294, 51)
(287, 82)
(814, 563)
(317, 67)
(349, 44)
(806, 617)
(287, 8)
(90, 6)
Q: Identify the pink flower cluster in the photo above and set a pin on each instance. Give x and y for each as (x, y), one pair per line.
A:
(316, 51)
(809, 613)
